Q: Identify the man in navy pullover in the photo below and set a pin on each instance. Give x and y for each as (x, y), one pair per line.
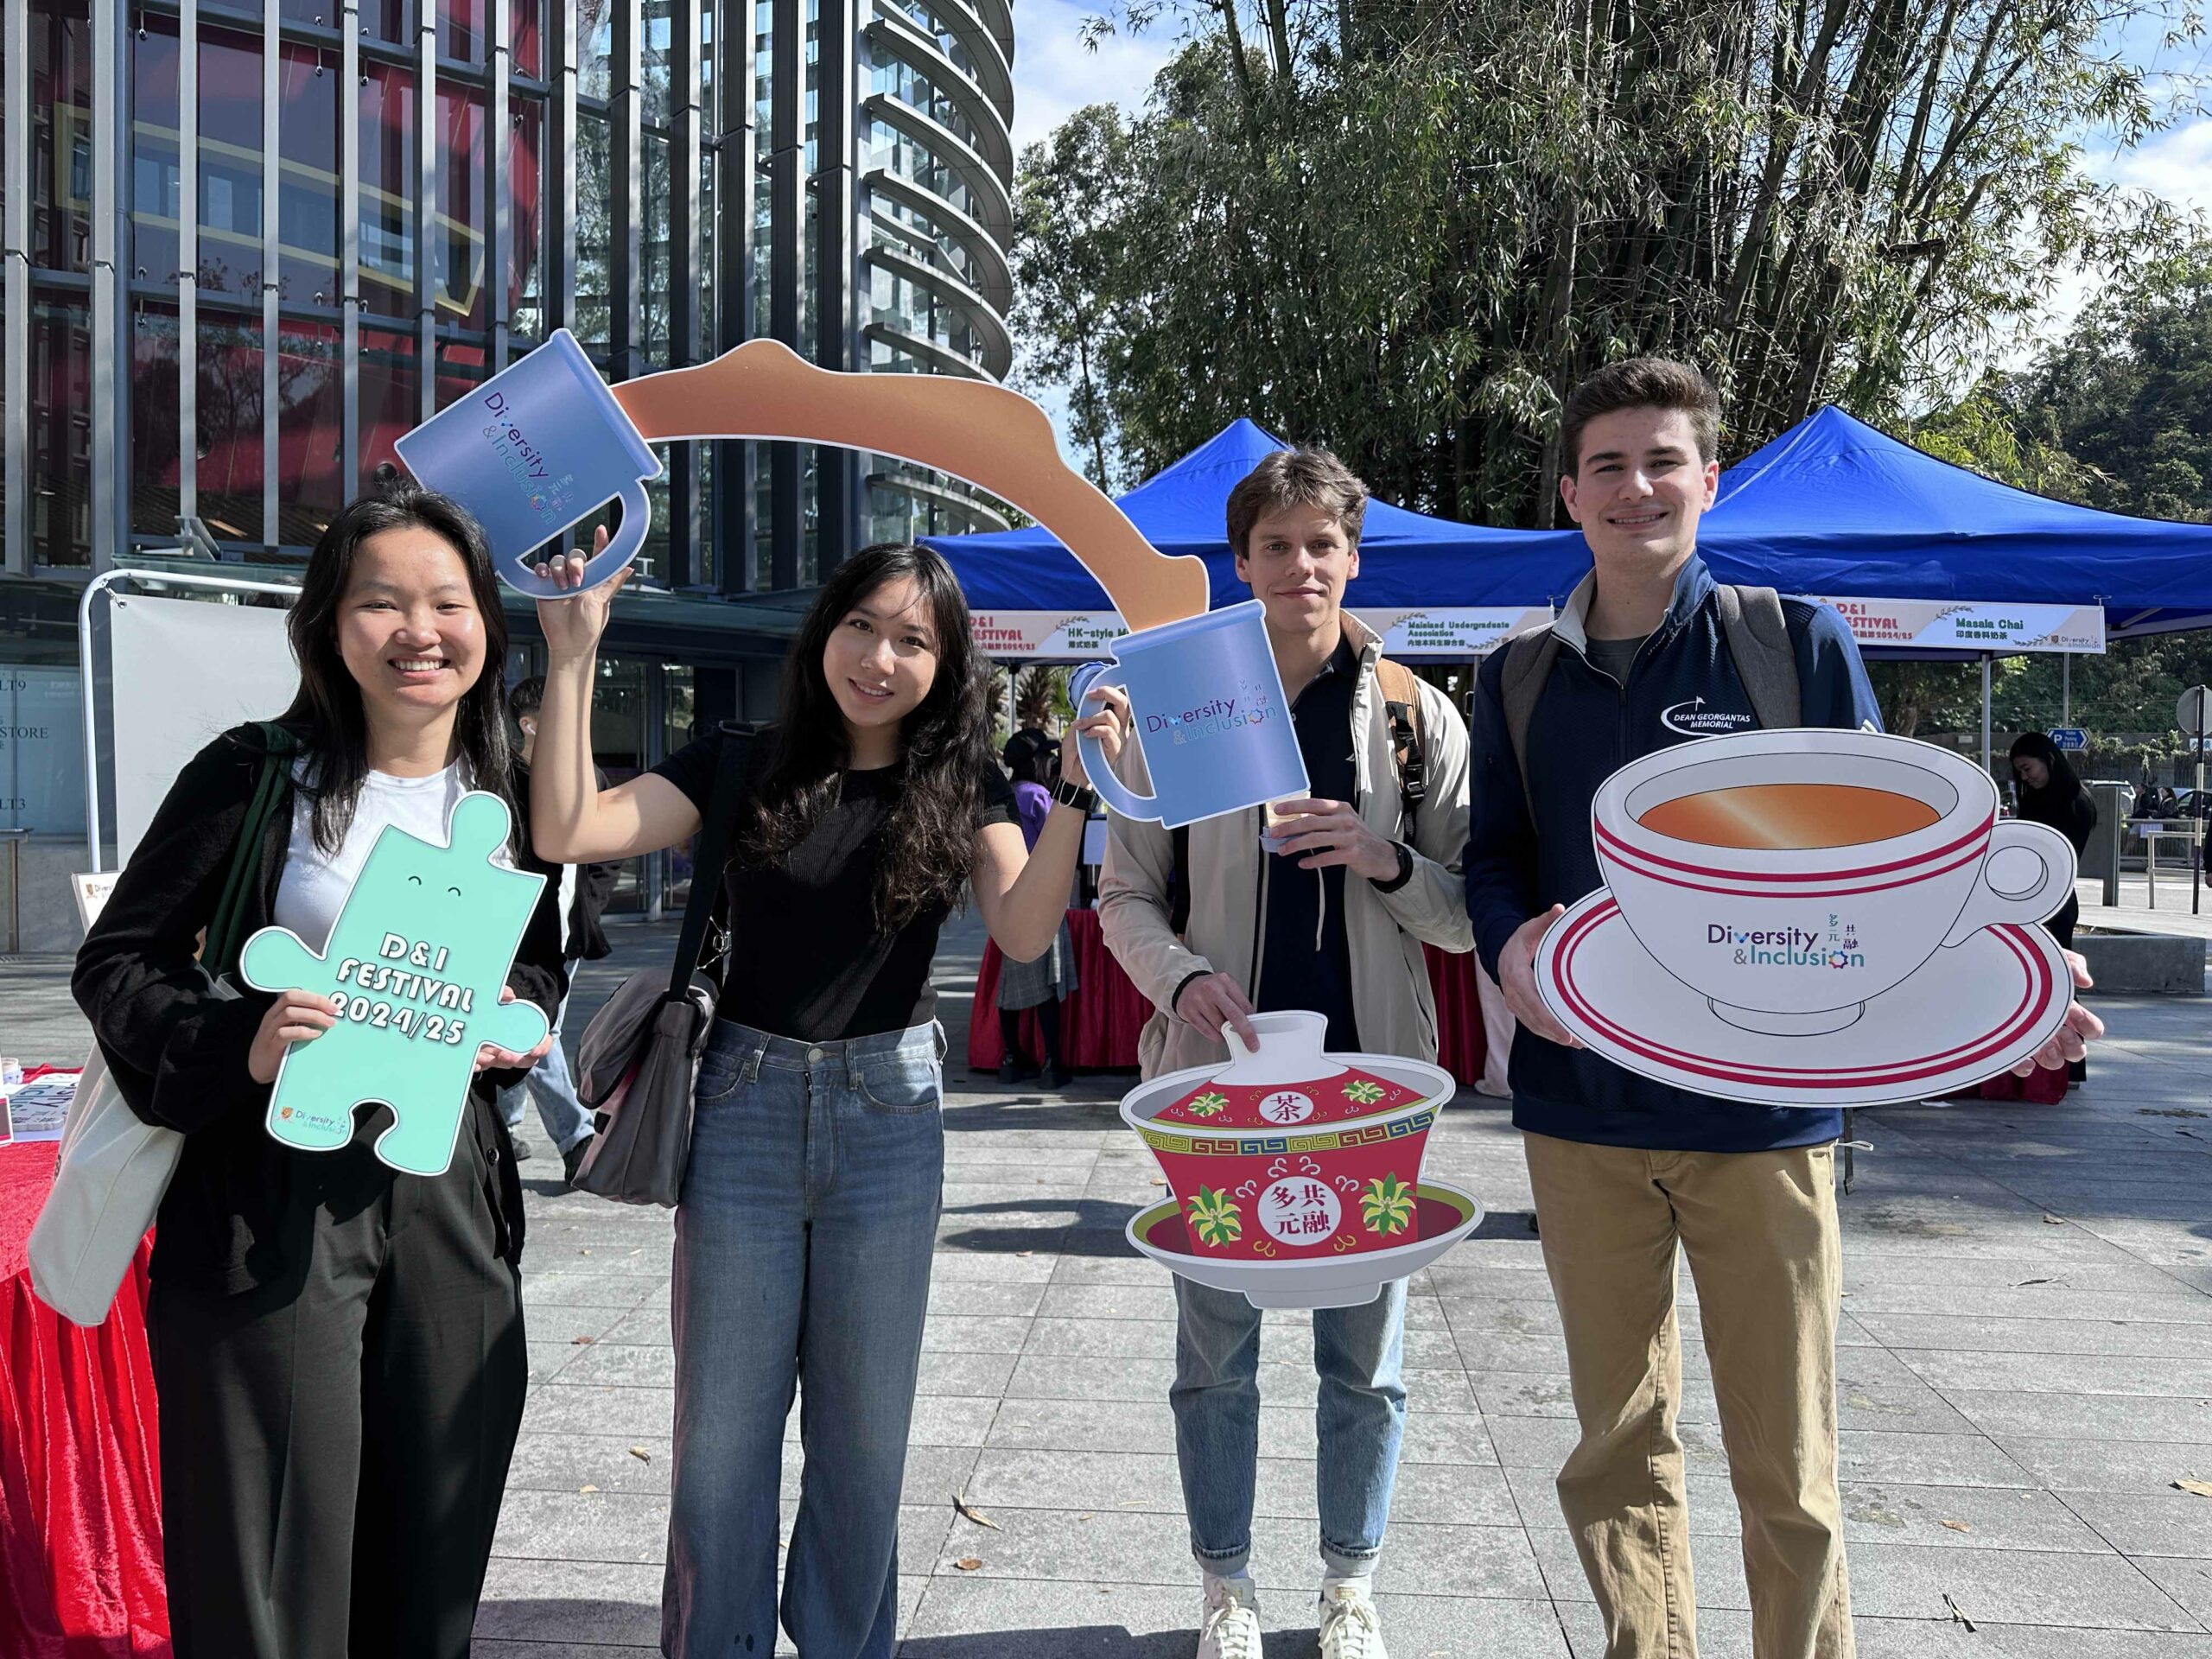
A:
(1624, 1169)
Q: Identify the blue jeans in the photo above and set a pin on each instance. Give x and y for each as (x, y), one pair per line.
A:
(550, 1084)
(803, 1245)
(1361, 1419)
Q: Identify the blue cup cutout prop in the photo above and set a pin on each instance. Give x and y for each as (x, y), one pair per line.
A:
(534, 451)
(1207, 710)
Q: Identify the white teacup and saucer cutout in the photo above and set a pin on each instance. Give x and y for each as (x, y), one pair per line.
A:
(1973, 1011)
(1812, 916)
(1793, 876)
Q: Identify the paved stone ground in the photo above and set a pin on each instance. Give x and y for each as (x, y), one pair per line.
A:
(2019, 1395)
(2026, 1367)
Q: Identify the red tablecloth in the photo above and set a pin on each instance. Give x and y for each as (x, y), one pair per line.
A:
(1100, 1023)
(1460, 1047)
(80, 1505)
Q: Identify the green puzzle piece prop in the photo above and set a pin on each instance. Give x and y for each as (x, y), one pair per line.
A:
(420, 953)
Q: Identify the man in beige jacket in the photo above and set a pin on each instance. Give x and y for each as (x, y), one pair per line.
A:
(1333, 919)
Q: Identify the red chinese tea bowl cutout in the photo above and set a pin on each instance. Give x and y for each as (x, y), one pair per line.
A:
(1290, 1154)
(1445, 1215)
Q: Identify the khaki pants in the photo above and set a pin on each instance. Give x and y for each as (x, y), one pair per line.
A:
(1760, 1229)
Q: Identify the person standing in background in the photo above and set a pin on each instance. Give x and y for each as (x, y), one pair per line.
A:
(2051, 793)
(1033, 760)
(585, 889)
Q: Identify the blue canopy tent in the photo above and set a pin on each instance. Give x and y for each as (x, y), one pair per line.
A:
(1833, 506)
(1409, 559)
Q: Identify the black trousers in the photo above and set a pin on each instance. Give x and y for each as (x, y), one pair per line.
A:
(335, 1444)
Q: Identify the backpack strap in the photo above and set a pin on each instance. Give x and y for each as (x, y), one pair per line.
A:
(1528, 659)
(1401, 707)
(219, 952)
(1758, 638)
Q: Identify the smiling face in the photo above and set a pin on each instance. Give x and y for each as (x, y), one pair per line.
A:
(1641, 487)
(882, 658)
(2031, 771)
(408, 627)
(1297, 561)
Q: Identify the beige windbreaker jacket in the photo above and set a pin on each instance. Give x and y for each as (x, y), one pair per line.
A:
(1390, 994)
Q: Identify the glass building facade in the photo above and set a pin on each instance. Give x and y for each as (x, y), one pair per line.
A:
(247, 246)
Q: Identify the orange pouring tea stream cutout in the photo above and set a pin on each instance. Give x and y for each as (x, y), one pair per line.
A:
(995, 439)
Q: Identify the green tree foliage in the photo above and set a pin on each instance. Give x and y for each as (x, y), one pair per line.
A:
(2128, 394)
(1405, 230)
(2117, 414)
(1067, 202)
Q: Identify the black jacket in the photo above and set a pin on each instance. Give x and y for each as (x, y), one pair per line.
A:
(231, 1220)
(1525, 855)
(585, 940)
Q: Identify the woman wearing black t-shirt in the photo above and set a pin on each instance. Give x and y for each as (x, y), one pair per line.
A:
(809, 1209)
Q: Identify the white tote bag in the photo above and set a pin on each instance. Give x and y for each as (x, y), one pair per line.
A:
(114, 1168)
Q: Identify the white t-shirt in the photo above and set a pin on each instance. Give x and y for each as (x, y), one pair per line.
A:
(314, 884)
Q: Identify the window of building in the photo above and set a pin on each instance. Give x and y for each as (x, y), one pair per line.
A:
(61, 107)
(61, 454)
(390, 400)
(525, 192)
(156, 181)
(156, 441)
(310, 430)
(230, 163)
(460, 31)
(525, 38)
(307, 177)
(458, 281)
(387, 189)
(230, 416)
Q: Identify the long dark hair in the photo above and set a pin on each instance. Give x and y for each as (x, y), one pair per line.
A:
(928, 841)
(2054, 802)
(328, 714)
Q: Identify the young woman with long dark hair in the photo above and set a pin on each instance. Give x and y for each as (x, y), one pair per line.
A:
(808, 1213)
(2051, 793)
(337, 1347)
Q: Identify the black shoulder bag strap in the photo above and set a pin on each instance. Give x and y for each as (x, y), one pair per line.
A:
(710, 852)
(220, 953)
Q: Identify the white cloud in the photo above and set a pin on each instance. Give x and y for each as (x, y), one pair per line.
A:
(1056, 74)
(2177, 165)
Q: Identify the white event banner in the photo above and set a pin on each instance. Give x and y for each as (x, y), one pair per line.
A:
(1437, 633)
(1953, 625)
(185, 669)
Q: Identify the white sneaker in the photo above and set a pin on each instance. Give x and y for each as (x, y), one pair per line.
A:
(1229, 1627)
(1350, 1628)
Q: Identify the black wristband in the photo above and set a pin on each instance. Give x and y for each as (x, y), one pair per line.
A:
(1081, 797)
(1188, 981)
(1405, 869)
